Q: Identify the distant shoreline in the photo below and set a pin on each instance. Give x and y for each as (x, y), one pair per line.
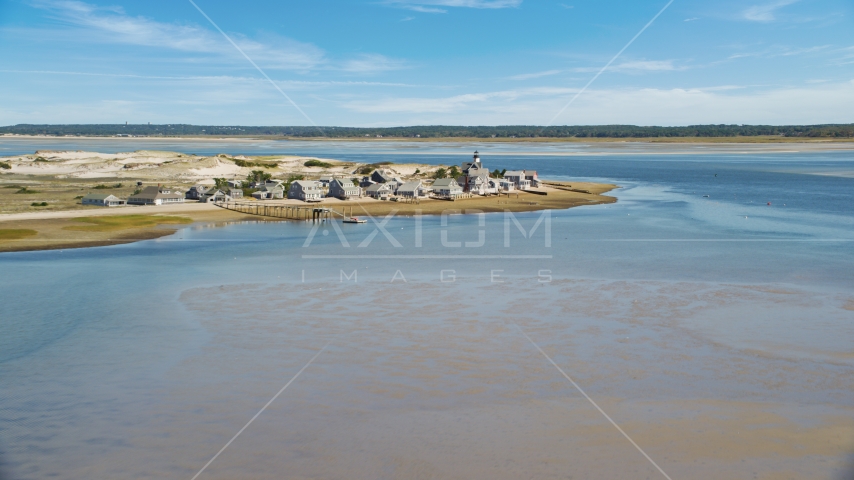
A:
(751, 140)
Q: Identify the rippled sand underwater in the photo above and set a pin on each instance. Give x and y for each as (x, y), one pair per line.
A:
(437, 380)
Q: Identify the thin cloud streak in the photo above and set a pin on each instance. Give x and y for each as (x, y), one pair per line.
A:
(780, 51)
(529, 76)
(441, 6)
(637, 67)
(229, 78)
(765, 13)
(371, 64)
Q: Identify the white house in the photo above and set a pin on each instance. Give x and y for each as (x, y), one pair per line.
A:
(102, 200)
(518, 179)
(493, 185)
(505, 185)
(475, 178)
(305, 190)
(447, 187)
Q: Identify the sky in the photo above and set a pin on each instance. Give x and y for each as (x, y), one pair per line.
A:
(427, 62)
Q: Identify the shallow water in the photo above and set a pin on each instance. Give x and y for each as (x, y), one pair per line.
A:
(721, 344)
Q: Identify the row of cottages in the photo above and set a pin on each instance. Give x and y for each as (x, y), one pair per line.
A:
(233, 190)
(102, 200)
(383, 177)
(314, 191)
(206, 194)
(156, 196)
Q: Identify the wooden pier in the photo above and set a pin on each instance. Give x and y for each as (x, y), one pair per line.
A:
(290, 212)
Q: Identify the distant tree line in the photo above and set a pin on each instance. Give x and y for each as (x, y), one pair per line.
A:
(442, 131)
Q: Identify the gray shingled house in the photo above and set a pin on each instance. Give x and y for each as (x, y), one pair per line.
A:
(343, 189)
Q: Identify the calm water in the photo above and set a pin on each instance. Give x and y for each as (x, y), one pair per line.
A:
(142, 360)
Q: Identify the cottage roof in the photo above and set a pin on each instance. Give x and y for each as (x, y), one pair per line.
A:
(514, 173)
(98, 196)
(272, 187)
(304, 184)
(412, 186)
(381, 175)
(445, 182)
(344, 182)
(153, 193)
(472, 168)
(377, 187)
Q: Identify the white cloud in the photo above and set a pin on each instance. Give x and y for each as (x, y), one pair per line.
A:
(440, 6)
(271, 52)
(637, 66)
(692, 19)
(123, 28)
(422, 9)
(780, 51)
(372, 63)
(528, 76)
(112, 24)
(766, 12)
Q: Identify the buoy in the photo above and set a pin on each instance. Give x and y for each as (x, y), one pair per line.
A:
(769, 203)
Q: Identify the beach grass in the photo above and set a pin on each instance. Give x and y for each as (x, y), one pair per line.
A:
(16, 233)
(317, 163)
(124, 222)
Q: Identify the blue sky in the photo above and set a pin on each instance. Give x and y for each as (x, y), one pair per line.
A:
(417, 62)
